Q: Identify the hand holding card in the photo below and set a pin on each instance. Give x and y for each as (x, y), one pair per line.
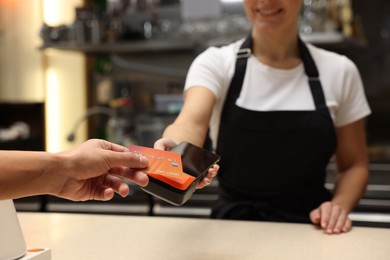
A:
(165, 166)
(174, 175)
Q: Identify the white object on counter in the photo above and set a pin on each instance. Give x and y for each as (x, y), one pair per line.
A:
(37, 254)
(12, 245)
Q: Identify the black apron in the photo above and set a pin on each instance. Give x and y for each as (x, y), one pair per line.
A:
(273, 164)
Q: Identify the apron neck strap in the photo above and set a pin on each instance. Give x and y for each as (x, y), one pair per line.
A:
(308, 62)
(311, 71)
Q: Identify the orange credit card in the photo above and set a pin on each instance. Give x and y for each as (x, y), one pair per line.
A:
(165, 166)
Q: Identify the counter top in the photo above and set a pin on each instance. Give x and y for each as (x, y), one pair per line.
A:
(78, 236)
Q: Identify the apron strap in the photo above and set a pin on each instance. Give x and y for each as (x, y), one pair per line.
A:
(243, 54)
(313, 75)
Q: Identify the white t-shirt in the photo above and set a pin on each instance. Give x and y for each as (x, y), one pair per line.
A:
(269, 89)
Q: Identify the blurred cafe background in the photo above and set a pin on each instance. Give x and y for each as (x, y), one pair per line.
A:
(114, 69)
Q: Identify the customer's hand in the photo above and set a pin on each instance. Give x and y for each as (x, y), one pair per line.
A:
(95, 170)
(331, 217)
(167, 144)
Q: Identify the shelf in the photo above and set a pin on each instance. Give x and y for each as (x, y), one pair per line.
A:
(169, 45)
(126, 47)
(323, 38)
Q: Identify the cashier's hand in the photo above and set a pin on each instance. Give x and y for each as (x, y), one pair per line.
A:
(95, 170)
(167, 144)
(332, 218)
(209, 177)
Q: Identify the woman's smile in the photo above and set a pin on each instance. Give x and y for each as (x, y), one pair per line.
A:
(268, 12)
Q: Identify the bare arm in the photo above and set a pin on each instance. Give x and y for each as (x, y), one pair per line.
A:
(89, 171)
(22, 173)
(352, 165)
(193, 121)
(352, 177)
(191, 125)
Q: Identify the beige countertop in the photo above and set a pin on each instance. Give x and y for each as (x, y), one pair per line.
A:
(77, 236)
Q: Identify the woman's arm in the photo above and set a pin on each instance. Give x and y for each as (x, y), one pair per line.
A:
(193, 121)
(352, 165)
(351, 181)
(191, 125)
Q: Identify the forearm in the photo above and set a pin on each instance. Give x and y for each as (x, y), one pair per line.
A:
(352, 165)
(350, 187)
(194, 134)
(192, 123)
(24, 173)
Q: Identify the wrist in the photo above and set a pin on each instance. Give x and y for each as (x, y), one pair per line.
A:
(344, 204)
(52, 174)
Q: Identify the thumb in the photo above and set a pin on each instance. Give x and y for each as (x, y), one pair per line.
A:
(315, 216)
(164, 144)
(127, 159)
